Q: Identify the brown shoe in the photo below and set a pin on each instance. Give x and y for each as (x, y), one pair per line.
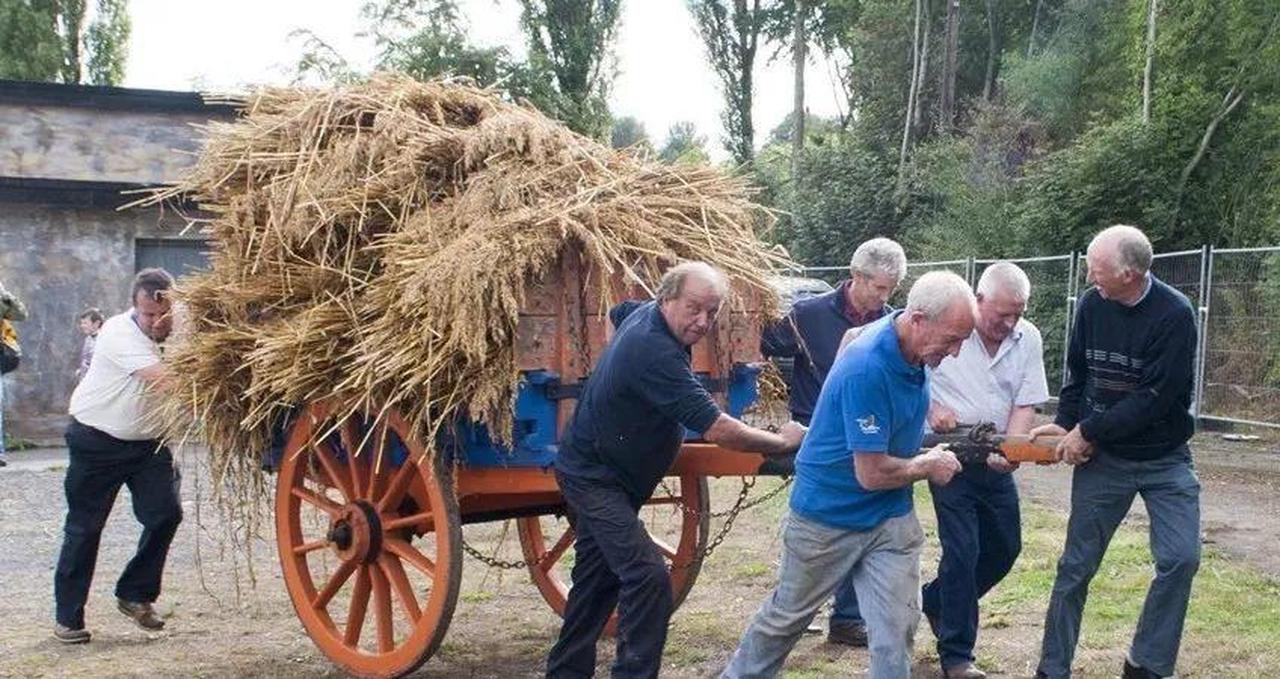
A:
(68, 635)
(848, 635)
(142, 614)
(966, 671)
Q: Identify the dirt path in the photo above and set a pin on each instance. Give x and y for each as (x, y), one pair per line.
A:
(220, 627)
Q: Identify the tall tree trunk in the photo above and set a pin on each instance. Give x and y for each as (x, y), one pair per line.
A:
(911, 99)
(1229, 104)
(947, 114)
(799, 44)
(917, 118)
(993, 52)
(1035, 24)
(1148, 71)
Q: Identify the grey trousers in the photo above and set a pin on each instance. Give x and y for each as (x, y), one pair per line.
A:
(1102, 490)
(885, 565)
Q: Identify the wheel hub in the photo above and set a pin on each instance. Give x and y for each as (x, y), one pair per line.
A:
(356, 533)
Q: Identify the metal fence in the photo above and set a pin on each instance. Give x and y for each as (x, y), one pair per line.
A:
(1236, 294)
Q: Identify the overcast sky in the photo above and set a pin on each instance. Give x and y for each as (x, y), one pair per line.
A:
(663, 75)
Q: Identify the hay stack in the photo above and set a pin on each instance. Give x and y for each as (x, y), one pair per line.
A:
(373, 244)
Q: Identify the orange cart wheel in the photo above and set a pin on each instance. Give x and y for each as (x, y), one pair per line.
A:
(678, 520)
(370, 544)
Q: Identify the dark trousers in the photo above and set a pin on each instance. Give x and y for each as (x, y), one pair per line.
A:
(980, 529)
(615, 563)
(100, 464)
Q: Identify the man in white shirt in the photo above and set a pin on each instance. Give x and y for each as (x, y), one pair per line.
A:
(114, 440)
(998, 377)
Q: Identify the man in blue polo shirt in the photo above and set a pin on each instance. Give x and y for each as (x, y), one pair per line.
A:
(810, 334)
(625, 433)
(851, 509)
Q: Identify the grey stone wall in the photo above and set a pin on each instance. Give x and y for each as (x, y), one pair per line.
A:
(86, 144)
(59, 261)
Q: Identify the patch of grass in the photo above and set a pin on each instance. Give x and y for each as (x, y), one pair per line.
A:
(477, 596)
(754, 569)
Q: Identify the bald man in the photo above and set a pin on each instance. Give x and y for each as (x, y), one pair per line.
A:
(1125, 422)
(625, 433)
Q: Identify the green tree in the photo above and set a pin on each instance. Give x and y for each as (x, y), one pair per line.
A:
(49, 40)
(730, 31)
(626, 132)
(571, 56)
(684, 145)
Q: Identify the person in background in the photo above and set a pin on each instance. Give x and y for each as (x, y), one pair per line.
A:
(810, 334)
(851, 505)
(114, 440)
(998, 378)
(1124, 418)
(90, 322)
(11, 309)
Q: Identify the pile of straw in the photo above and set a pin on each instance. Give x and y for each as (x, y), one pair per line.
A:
(373, 245)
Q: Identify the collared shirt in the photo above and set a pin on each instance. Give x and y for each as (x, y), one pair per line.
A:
(980, 387)
(811, 334)
(873, 401)
(112, 398)
(1146, 289)
(627, 426)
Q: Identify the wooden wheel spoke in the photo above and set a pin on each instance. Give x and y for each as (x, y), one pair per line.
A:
(355, 463)
(665, 500)
(557, 550)
(308, 547)
(359, 606)
(666, 549)
(399, 484)
(406, 521)
(377, 462)
(394, 572)
(323, 503)
(335, 583)
(409, 554)
(337, 477)
(382, 611)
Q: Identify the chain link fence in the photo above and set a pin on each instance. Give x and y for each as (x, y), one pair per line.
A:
(1236, 294)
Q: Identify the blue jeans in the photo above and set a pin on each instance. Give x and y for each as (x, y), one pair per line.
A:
(980, 529)
(1102, 490)
(1, 416)
(816, 558)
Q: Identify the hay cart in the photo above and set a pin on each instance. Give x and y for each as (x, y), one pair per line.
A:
(371, 543)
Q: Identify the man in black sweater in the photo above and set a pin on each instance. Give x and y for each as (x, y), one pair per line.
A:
(1125, 422)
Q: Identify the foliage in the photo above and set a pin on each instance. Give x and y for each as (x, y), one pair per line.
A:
(684, 145)
(731, 35)
(627, 132)
(570, 53)
(48, 40)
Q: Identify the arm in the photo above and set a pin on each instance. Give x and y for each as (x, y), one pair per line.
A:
(1020, 419)
(881, 471)
(1073, 390)
(730, 432)
(1165, 375)
(156, 376)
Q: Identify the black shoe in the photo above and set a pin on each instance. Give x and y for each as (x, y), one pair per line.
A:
(2, 462)
(1132, 671)
(71, 636)
(848, 634)
(142, 614)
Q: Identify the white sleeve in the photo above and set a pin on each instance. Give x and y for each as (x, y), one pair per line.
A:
(1034, 388)
(128, 350)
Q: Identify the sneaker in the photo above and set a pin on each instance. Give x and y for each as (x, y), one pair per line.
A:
(1132, 671)
(71, 636)
(854, 634)
(963, 671)
(142, 614)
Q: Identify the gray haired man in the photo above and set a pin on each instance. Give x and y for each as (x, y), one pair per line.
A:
(1125, 422)
(851, 507)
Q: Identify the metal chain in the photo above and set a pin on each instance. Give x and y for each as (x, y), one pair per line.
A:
(730, 515)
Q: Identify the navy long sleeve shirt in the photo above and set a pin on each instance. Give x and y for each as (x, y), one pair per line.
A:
(811, 333)
(627, 426)
(1132, 373)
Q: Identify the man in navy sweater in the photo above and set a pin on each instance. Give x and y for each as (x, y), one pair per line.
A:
(811, 334)
(624, 435)
(1125, 422)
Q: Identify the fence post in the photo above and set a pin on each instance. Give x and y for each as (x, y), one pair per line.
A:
(1202, 351)
(969, 270)
(1072, 263)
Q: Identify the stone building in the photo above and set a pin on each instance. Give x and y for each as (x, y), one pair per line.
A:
(67, 152)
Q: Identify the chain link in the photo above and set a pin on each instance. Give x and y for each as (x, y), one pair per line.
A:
(501, 564)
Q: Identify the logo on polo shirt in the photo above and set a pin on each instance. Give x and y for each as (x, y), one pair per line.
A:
(868, 425)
